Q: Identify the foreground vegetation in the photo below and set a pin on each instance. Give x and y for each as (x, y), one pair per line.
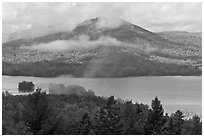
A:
(49, 114)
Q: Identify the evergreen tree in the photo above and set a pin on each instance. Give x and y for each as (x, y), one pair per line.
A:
(155, 120)
(107, 121)
(175, 123)
(133, 118)
(171, 126)
(36, 111)
(86, 125)
(178, 116)
(192, 126)
(101, 126)
(197, 126)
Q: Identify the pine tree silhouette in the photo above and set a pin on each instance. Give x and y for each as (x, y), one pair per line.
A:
(176, 122)
(107, 120)
(155, 120)
(197, 126)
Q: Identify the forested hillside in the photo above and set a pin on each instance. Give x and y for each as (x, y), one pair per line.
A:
(111, 65)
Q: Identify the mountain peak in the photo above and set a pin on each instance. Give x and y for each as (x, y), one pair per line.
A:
(104, 22)
(109, 22)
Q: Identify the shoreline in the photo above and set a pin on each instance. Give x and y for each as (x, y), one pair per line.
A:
(69, 76)
(135, 87)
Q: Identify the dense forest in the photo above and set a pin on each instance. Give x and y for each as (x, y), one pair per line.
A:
(39, 113)
(112, 65)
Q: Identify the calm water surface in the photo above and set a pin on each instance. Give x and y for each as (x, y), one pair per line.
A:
(175, 92)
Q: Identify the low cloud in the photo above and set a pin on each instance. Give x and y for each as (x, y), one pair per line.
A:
(57, 45)
(82, 42)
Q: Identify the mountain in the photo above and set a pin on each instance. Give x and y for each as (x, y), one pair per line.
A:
(102, 47)
(125, 32)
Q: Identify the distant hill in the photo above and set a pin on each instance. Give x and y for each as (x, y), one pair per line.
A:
(183, 37)
(105, 47)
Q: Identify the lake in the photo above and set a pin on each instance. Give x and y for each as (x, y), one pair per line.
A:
(175, 92)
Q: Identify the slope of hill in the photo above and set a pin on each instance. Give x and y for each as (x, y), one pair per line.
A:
(101, 47)
(183, 37)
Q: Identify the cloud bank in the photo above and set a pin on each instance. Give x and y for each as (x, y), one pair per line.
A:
(37, 19)
(82, 42)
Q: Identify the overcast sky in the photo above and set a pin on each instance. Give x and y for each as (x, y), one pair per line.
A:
(44, 18)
